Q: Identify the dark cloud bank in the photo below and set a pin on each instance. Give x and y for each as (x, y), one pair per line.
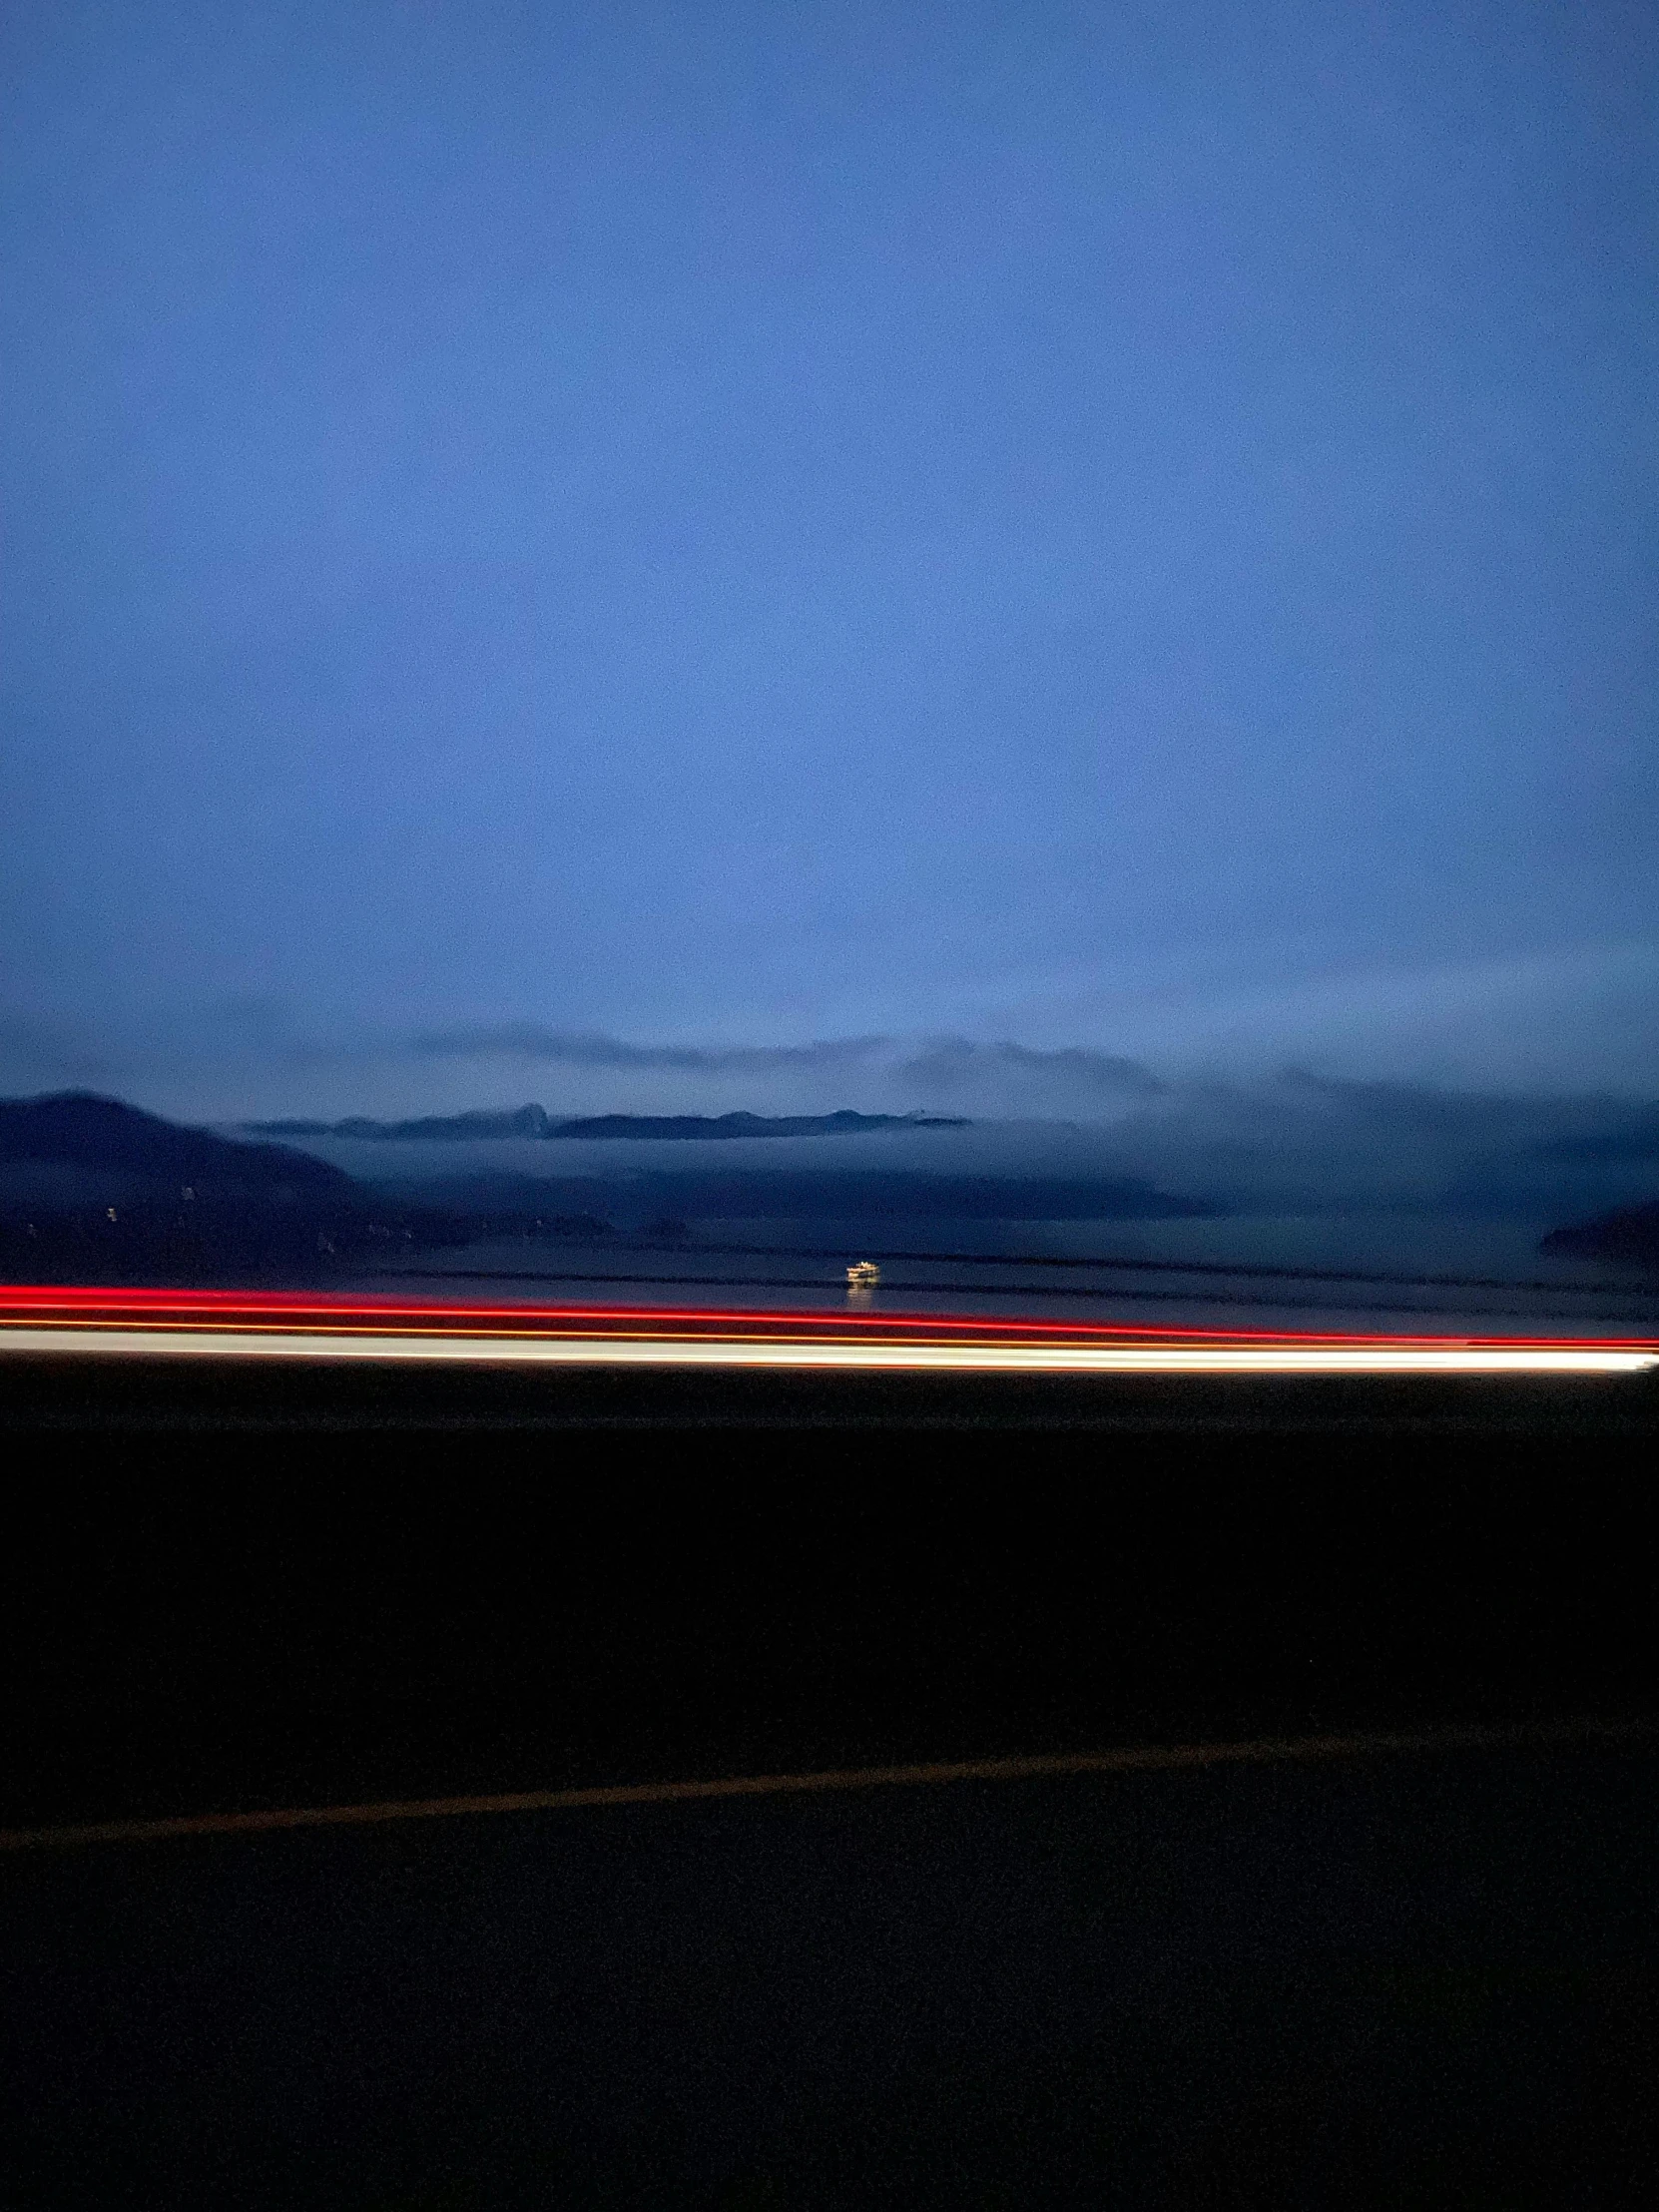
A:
(937, 1070)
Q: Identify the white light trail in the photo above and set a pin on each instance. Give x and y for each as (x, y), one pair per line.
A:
(963, 1356)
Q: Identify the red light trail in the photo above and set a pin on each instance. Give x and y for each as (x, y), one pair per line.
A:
(311, 1325)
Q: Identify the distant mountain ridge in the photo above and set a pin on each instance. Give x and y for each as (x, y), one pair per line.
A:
(92, 1188)
(536, 1121)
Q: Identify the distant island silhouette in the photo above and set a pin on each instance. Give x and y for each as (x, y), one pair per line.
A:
(1629, 1235)
(536, 1121)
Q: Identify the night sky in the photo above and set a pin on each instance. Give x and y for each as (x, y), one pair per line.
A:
(1105, 526)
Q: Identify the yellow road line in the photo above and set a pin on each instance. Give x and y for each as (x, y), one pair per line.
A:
(1150, 1759)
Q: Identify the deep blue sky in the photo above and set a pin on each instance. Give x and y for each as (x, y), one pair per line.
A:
(1109, 525)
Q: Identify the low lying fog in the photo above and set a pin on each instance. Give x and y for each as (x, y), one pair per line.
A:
(1296, 1144)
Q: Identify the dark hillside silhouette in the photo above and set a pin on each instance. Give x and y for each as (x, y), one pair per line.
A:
(79, 1129)
(188, 1205)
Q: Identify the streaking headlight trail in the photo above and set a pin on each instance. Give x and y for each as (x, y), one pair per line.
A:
(258, 1324)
